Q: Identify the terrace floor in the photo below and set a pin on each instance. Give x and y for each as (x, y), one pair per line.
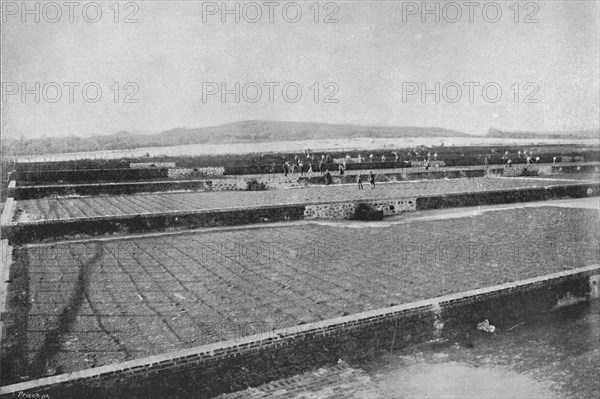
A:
(95, 302)
(53, 208)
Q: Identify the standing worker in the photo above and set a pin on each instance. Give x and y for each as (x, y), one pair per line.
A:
(359, 181)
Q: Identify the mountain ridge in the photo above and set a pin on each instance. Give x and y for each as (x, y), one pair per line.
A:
(249, 131)
(253, 131)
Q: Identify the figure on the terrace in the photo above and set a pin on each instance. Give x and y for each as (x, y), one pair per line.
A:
(359, 181)
(328, 179)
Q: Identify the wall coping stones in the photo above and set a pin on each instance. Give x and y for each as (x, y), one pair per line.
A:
(280, 337)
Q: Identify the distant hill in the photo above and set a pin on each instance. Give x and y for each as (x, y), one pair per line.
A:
(238, 132)
(580, 135)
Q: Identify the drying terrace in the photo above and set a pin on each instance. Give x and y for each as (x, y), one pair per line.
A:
(87, 303)
(52, 208)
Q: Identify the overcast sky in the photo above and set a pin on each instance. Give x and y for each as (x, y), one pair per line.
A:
(370, 57)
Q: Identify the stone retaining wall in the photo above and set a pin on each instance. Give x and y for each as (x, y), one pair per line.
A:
(180, 173)
(346, 210)
(198, 181)
(152, 222)
(412, 175)
(66, 190)
(575, 169)
(90, 175)
(72, 190)
(254, 360)
(494, 197)
(145, 165)
(228, 185)
(78, 227)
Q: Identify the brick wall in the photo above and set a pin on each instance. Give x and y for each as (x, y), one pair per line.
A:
(253, 360)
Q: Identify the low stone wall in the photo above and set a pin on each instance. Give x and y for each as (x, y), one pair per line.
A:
(33, 192)
(56, 229)
(493, 197)
(521, 170)
(412, 175)
(575, 169)
(330, 211)
(153, 222)
(228, 185)
(90, 175)
(276, 181)
(575, 158)
(253, 360)
(65, 190)
(181, 173)
(146, 165)
(345, 210)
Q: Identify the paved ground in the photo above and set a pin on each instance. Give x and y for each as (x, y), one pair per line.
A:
(553, 356)
(64, 208)
(98, 302)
